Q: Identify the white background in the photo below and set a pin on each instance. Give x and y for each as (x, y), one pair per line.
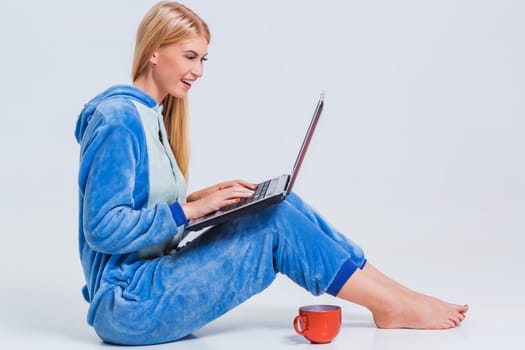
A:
(419, 156)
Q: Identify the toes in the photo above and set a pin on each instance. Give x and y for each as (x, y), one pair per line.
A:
(455, 320)
(448, 324)
(463, 308)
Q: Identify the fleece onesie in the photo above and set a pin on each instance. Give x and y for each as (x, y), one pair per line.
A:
(142, 288)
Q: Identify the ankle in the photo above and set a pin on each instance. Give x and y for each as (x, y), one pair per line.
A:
(388, 313)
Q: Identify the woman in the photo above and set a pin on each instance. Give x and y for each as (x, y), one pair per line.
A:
(141, 287)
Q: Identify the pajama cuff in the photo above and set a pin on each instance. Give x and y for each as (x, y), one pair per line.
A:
(345, 272)
(178, 214)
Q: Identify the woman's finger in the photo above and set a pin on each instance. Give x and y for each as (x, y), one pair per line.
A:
(231, 201)
(238, 191)
(239, 182)
(247, 184)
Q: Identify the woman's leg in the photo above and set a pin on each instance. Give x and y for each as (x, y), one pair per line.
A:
(318, 220)
(392, 304)
(395, 306)
(172, 296)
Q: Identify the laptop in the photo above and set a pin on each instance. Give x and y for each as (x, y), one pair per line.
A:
(267, 193)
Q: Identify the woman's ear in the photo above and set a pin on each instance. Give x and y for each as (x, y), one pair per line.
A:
(153, 58)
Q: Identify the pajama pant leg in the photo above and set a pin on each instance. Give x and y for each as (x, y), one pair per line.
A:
(357, 254)
(172, 296)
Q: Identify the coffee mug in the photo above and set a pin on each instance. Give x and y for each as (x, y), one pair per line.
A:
(320, 324)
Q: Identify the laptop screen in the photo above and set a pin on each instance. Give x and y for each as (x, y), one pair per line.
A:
(306, 142)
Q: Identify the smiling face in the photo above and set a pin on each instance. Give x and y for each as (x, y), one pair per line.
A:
(175, 67)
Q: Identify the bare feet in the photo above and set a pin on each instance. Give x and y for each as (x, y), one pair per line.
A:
(395, 306)
(419, 311)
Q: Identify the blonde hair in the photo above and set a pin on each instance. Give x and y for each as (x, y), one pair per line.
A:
(169, 22)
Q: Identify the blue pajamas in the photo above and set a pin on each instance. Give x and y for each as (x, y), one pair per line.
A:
(130, 209)
(173, 295)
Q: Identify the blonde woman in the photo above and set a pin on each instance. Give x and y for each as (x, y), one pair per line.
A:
(143, 288)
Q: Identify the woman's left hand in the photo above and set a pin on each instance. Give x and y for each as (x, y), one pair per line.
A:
(220, 186)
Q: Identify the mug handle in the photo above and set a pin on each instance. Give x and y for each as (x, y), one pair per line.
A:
(300, 324)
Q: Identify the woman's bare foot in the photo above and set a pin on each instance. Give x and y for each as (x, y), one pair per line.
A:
(395, 306)
(418, 311)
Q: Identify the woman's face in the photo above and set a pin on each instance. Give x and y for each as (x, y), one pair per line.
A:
(176, 67)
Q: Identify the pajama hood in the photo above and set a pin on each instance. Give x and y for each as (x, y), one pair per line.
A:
(122, 92)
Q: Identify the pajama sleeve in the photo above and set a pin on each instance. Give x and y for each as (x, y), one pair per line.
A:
(113, 223)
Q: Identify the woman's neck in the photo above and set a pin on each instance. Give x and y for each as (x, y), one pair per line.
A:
(146, 83)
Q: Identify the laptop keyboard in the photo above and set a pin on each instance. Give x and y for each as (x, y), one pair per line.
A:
(260, 192)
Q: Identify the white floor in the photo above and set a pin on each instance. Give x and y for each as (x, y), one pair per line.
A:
(35, 316)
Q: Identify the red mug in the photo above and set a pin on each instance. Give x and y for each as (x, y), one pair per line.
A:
(320, 324)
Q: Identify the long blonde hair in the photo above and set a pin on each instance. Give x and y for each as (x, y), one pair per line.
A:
(169, 22)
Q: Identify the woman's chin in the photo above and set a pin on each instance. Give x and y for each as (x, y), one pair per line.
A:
(181, 92)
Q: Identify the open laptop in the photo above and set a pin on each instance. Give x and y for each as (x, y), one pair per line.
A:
(268, 192)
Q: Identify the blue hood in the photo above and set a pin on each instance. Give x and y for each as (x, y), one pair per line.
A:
(116, 91)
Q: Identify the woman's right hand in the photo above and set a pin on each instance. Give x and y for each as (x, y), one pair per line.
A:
(215, 200)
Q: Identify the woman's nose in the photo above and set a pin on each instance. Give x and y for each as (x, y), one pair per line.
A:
(198, 69)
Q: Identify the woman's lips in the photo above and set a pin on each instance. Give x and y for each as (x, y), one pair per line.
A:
(186, 83)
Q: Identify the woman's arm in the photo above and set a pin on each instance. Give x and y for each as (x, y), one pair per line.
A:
(112, 220)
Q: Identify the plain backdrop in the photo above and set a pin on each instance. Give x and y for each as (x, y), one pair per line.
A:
(419, 156)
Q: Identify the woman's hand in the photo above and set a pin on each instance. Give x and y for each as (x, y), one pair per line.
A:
(204, 192)
(213, 198)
